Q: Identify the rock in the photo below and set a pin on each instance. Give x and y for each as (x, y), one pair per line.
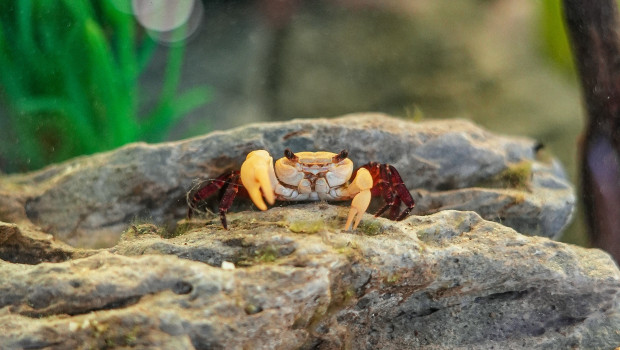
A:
(27, 245)
(450, 164)
(443, 281)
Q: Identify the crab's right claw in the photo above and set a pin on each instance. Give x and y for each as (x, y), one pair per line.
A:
(259, 178)
(363, 181)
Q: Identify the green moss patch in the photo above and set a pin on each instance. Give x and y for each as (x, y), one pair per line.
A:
(516, 176)
(140, 229)
(370, 227)
(309, 226)
(263, 254)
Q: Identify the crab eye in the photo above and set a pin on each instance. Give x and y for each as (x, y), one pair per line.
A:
(340, 156)
(290, 155)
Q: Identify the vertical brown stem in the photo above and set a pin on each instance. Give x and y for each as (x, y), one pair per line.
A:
(593, 30)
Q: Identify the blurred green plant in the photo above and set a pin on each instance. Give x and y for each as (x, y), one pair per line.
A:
(69, 81)
(553, 34)
(555, 42)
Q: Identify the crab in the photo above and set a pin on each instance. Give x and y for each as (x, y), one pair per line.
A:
(308, 176)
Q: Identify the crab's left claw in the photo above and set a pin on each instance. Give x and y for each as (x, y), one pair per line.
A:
(259, 178)
(363, 180)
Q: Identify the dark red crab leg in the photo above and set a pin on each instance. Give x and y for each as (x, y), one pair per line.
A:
(230, 192)
(388, 184)
(395, 210)
(206, 191)
(227, 185)
(402, 193)
(381, 181)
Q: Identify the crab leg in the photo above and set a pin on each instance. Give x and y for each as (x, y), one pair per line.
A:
(383, 187)
(227, 185)
(363, 182)
(390, 186)
(208, 190)
(259, 178)
(402, 193)
(228, 197)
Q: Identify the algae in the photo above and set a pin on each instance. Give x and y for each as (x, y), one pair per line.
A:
(309, 227)
(370, 227)
(517, 176)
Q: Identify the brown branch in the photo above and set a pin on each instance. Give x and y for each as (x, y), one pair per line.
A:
(593, 30)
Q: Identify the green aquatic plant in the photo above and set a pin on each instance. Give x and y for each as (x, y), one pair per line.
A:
(69, 82)
(552, 29)
(553, 35)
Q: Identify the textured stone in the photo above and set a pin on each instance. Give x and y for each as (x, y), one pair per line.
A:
(27, 245)
(450, 164)
(444, 281)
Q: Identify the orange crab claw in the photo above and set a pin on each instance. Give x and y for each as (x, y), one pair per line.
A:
(258, 178)
(363, 181)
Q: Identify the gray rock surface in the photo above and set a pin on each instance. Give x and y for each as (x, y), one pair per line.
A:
(449, 164)
(290, 277)
(450, 280)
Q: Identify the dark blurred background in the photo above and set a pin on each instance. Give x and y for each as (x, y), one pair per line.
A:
(79, 77)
